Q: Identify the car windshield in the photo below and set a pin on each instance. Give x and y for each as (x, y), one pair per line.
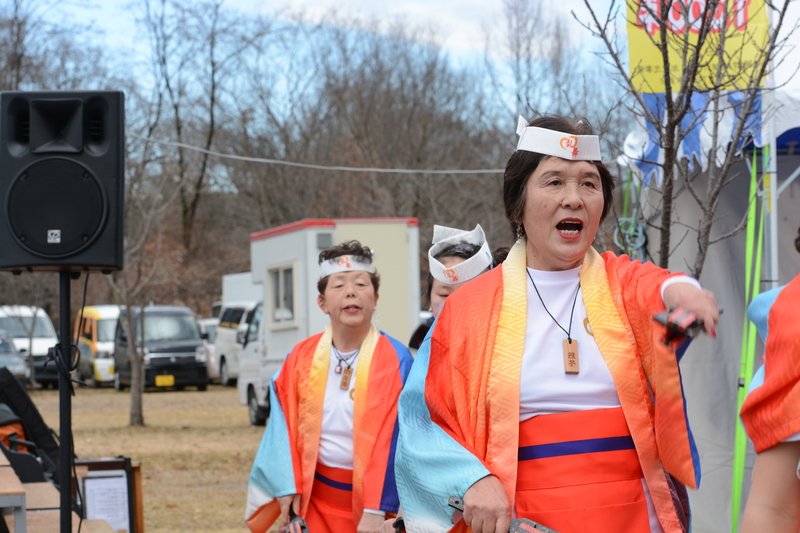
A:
(19, 326)
(169, 328)
(211, 329)
(106, 329)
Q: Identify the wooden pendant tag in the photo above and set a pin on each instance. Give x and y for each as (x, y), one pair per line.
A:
(571, 363)
(347, 373)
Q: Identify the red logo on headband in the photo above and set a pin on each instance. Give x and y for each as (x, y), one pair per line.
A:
(568, 142)
(344, 261)
(575, 152)
(450, 274)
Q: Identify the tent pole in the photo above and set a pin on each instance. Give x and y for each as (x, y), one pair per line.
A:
(771, 202)
(789, 181)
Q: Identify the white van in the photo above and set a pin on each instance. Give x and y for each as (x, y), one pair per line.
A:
(17, 321)
(257, 366)
(232, 324)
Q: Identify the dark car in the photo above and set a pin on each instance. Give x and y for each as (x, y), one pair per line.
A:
(174, 355)
(11, 359)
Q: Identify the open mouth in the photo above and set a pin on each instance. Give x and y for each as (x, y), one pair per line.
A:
(352, 309)
(570, 227)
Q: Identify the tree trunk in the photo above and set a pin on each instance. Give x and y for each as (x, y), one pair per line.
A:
(666, 212)
(137, 369)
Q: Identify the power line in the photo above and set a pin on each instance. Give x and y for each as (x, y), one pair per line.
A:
(315, 167)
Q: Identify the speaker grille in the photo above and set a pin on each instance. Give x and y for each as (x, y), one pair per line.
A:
(56, 207)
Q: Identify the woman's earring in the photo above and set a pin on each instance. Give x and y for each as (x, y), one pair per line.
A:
(520, 231)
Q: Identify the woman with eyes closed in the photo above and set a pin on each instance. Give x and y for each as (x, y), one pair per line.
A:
(327, 454)
(545, 390)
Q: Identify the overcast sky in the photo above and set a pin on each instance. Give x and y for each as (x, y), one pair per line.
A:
(459, 23)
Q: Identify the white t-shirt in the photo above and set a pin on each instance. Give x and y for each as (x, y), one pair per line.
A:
(544, 387)
(336, 436)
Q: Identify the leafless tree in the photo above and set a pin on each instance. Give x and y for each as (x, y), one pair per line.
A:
(535, 67)
(696, 74)
(150, 189)
(36, 54)
(198, 49)
(393, 100)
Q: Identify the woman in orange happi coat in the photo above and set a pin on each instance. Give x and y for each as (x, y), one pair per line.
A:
(327, 454)
(544, 390)
(771, 413)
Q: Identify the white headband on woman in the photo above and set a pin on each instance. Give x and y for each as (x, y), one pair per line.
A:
(444, 237)
(343, 263)
(555, 143)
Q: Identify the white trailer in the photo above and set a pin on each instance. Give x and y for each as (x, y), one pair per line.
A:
(284, 263)
(239, 288)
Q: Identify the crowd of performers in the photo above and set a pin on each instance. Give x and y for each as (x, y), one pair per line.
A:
(543, 389)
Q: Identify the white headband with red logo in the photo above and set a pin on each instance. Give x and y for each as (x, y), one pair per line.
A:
(343, 263)
(557, 144)
(471, 267)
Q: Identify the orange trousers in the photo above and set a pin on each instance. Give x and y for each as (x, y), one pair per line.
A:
(578, 472)
(330, 509)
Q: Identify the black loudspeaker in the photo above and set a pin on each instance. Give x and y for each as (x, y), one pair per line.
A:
(62, 158)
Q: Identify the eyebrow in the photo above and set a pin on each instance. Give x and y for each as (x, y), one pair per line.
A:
(556, 172)
(342, 276)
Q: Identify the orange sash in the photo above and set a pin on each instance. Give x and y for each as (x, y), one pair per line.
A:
(579, 473)
(334, 486)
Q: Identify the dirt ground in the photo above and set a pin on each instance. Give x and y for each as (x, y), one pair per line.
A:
(196, 451)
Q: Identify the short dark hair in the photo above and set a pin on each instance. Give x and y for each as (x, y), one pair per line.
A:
(461, 249)
(352, 248)
(522, 163)
(797, 241)
(499, 255)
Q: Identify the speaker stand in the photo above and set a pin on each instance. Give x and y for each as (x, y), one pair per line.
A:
(64, 403)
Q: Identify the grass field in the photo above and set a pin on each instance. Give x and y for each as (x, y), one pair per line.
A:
(196, 451)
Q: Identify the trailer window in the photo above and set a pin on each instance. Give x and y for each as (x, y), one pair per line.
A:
(282, 297)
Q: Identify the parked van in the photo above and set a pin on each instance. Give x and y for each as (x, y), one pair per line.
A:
(257, 368)
(209, 327)
(96, 343)
(232, 321)
(174, 355)
(17, 321)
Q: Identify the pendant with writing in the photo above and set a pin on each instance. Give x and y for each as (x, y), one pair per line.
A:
(571, 363)
(346, 375)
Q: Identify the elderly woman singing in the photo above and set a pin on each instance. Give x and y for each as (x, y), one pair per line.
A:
(327, 454)
(544, 390)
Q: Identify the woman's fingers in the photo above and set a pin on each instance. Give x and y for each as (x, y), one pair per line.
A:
(291, 501)
(387, 526)
(296, 504)
(690, 302)
(486, 506)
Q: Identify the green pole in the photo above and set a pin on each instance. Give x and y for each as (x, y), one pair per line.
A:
(740, 441)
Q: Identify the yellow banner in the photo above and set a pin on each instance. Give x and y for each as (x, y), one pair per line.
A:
(742, 25)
